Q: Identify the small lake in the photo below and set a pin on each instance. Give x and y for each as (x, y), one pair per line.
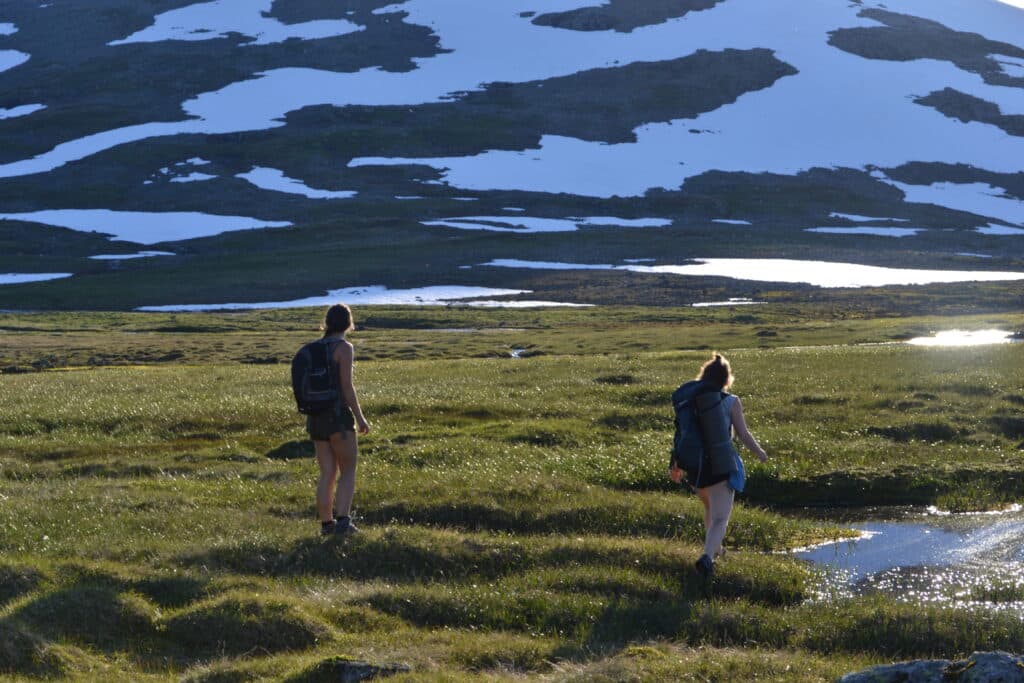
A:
(964, 338)
(928, 556)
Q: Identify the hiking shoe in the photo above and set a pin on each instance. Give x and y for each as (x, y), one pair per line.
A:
(344, 527)
(328, 528)
(705, 566)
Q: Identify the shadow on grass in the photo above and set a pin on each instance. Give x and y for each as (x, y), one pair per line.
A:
(22, 653)
(98, 616)
(292, 450)
(367, 557)
(16, 581)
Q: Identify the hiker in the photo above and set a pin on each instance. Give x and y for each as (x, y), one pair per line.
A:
(714, 487)
(334, 431)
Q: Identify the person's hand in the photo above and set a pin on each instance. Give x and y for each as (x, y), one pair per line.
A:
(675, 474)
(364, 426)
(762, 456)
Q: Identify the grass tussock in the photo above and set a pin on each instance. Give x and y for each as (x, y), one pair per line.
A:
(237, 623)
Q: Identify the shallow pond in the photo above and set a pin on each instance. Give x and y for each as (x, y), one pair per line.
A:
(928, 556)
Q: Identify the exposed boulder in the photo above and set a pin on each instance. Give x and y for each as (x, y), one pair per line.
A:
(987, 667)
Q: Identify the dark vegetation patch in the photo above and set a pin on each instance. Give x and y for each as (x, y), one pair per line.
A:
(236, 624)
(650, 397)
(968, 108)
(171, 591)
(820, 400)
(1015, 399)
(908, 405)
(920, 431)
(1010, 426)
(340, 668)
(905, 38)
(544, 437)
(622, 15)
(927, 173)
(17, 580)
(604, 104)
(615, 379)
(965, 389)
(636, 422)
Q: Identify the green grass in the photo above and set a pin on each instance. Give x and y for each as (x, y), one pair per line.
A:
(158, 519)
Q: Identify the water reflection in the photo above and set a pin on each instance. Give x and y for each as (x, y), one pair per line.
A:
(929, 557)
(964, 338)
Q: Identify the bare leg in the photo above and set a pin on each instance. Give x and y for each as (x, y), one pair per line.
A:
(346, 455)
(706, 502)
(718, 508)
(328, 473)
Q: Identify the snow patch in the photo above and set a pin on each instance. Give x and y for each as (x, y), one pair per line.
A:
(993, 229)
(143, 227)
(977, 198)
(218, 19)
(20, 278)
(193, 177)
(818, 273)
(883, 232)
(138, 254)
(23, 110)
(376, 295)
(275, 180)
(854, 218)
(11, 58)
(528, 224)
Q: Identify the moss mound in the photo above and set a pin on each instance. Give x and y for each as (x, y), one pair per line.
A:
(236, 624)
(22, 653)
(96, 615)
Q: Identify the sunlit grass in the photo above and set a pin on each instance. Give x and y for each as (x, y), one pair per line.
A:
(517, 518)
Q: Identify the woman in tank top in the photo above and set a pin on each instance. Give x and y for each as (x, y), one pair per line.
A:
(717, 493)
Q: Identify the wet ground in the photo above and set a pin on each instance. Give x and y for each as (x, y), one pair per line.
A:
(928, 556)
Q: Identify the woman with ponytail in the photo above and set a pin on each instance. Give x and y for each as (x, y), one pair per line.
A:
(334, 431)
(716, 490)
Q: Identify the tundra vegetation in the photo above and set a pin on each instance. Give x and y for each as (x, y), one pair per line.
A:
(158, 523)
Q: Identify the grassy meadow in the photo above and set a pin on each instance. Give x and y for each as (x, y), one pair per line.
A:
(157, 513)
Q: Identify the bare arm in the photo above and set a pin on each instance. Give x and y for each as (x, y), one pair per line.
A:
(344, 357)
(739, 423)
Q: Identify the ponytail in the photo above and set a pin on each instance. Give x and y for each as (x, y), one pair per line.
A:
(337, 320)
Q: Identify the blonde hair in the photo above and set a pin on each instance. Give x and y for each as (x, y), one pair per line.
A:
(716, 371)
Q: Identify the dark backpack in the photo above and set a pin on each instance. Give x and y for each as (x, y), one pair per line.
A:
(703, 437)
(314, 380)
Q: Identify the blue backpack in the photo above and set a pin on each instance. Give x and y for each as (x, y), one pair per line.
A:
(314, 380)
(703, 436)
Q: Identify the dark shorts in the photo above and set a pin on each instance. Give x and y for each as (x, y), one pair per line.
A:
(322, 425)
(706, 481)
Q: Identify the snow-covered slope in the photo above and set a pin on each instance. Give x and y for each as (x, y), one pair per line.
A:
(912, 103)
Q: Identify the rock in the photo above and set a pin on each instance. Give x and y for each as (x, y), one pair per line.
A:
(980, 667)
